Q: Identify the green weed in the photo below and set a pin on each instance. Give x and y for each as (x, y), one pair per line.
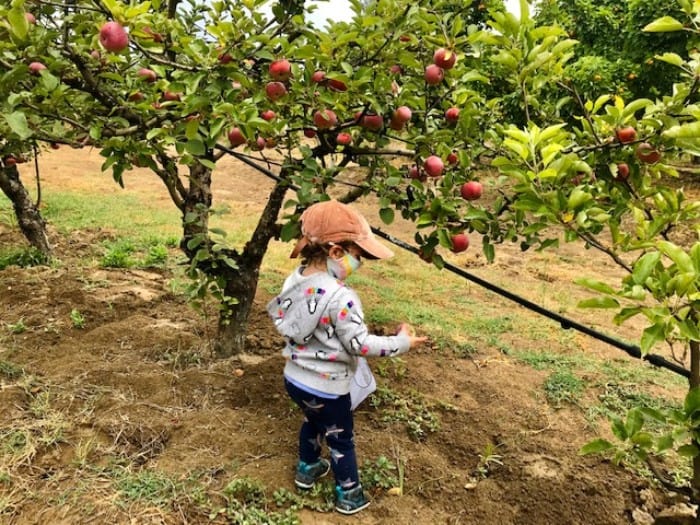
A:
(77, 319)
(380, 473)
(23, 257)
(10, 370)
(410, 409)
(562, 386)
(17, 328)
(149, 486)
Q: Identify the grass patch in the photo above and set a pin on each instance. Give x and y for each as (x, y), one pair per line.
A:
(563, 386)
(125, 252)
(22, 257)
(10, 370)
(410, 409)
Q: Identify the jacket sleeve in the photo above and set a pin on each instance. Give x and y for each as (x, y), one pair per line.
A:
(350, 328)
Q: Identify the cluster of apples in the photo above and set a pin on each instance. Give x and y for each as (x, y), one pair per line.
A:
(644, 151)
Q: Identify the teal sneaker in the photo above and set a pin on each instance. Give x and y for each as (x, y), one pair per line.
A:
(308, 473)
(350, 501)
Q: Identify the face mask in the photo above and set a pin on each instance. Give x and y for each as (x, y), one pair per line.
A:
(343, 267)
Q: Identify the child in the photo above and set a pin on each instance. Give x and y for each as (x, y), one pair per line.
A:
(322, 322)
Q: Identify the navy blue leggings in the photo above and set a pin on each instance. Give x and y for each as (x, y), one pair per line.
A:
(330, 419)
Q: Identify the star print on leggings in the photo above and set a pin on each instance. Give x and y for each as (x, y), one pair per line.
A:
(335, 455)
(315, 442)
(333, 430)
(346, 483)
(313, 405)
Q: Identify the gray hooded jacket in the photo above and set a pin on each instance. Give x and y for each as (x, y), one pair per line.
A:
(322, 322)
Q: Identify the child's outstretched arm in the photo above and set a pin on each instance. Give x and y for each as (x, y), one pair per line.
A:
(410, 331)
(351, 330)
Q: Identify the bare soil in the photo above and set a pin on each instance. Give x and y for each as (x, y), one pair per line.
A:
(138, 389)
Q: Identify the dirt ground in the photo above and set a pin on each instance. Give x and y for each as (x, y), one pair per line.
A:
(137, 389)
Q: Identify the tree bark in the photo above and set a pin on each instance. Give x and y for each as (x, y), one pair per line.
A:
(30, 221)
(694, 381)
(243, 282)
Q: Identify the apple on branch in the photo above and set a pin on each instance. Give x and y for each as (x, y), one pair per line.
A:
(36, 67)
(626, 134)
(434, 166)
(434, 74)
(452, 115)
(147, 74)
(280, 70)
(268, 115)
(236, 138)
(460, 242)
(647, 153)
(471, 190)
(444, 58)
(113, 37)
(275, 90)
(325, 119)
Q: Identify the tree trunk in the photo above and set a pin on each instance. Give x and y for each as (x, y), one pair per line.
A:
(694, 381)
(242, 283)
(30, 221)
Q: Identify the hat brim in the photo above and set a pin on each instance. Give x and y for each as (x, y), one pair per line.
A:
(301, 243)
(374, 249)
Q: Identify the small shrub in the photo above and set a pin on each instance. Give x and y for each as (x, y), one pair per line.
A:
(77, 319)
(24, 258)
(562, 386)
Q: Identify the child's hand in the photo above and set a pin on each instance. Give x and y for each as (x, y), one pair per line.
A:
(408, 330)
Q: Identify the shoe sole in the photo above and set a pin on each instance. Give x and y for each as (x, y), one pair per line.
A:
(307, 486)
(353, 511)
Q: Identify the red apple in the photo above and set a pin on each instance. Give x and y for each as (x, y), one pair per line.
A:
(268, 115)
(460, 242)
(471, 190)
(113, 37)
(270, 142)
(96, 55)
(225, 58)
(444, 58)
(309, 133)
(372, 122)
(452, 158)
(325, 119)
(171, 96)
(236, 138)
(275, 90)
(647, 153)
(147, 74)
(10, 161)
(36, 67)
(280, 69)
(623, 171)
(136, 96)
(258, 144)
(626, 134)
(395, 69)
(395, 124)
(337, 85)
(344, 139)
(402, 114)
(54, 145)
(434, 74)
(414, 172)
(318, 76)
(404, 38)
(452, 115)
(434, 166)
(30, 18)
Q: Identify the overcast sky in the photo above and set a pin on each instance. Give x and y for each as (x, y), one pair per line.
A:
(340, 10)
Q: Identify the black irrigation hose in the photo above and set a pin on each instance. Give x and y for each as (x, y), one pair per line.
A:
(565, 322)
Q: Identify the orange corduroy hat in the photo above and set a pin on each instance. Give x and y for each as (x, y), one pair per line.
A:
(332, 221)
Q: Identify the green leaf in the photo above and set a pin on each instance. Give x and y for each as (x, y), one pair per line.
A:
(691, 403)
(599, 302)
(652, 335)
(18, 22)
(18, 124)
(595, 447)
(195, 147)
(644, 266)
(387, 215)
(664, 443)
(634, 422)
(670, 58)
(688, 451)
(677, 255)
(618, 429)
(598, 286)
(663, 25)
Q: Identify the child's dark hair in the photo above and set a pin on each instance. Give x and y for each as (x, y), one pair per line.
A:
(312, 253)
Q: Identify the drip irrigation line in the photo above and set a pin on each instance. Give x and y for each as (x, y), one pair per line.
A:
(565, 322)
